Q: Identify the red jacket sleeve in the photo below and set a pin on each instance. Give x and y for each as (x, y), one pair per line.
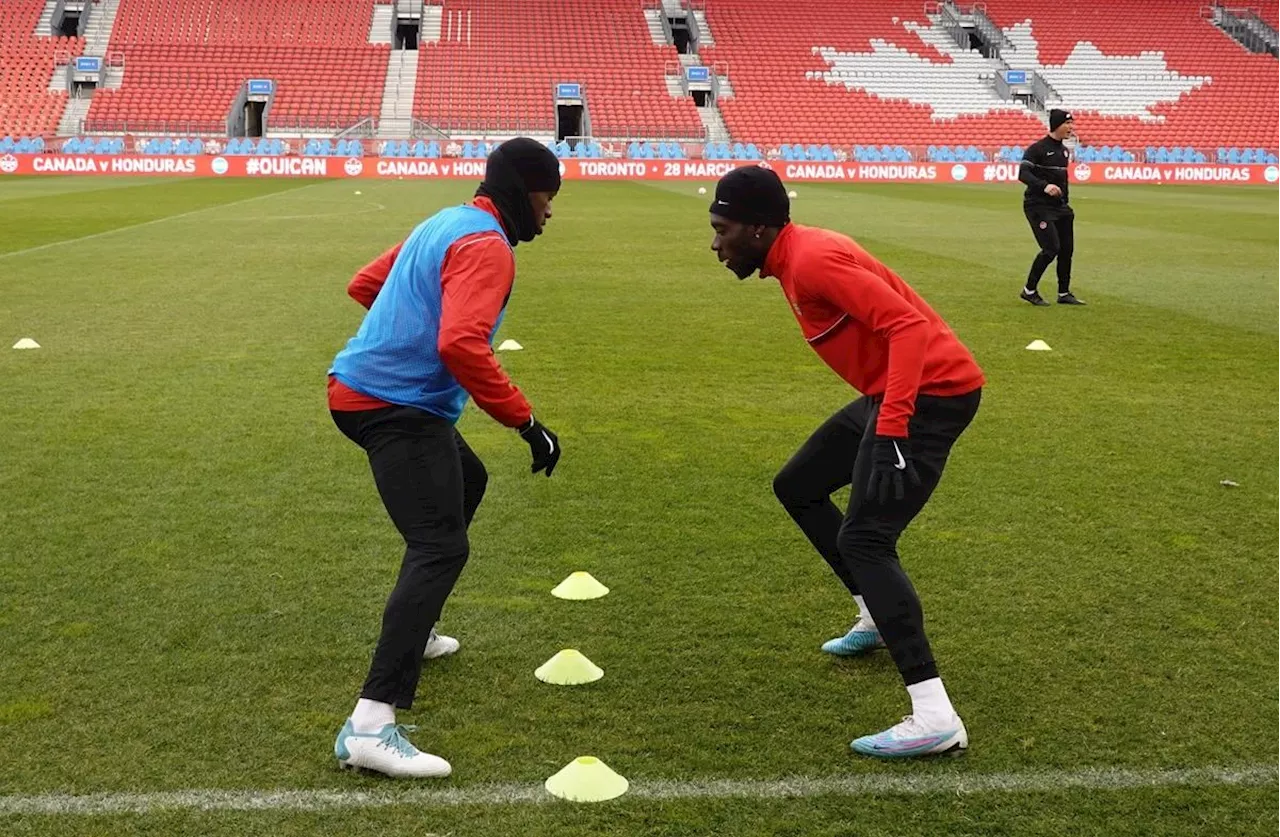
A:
(869, 298)
(368, 281)
(475, 281)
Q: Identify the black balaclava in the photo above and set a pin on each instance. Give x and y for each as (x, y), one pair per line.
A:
(752, 195)
(514, 169)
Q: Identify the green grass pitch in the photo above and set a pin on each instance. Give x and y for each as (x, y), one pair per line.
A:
(193, 560)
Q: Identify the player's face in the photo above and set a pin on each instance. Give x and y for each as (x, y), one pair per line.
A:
(1066, 131)
(541, 203)
(737, 247)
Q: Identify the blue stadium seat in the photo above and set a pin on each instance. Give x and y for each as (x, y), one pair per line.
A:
(433, 150)
(23, 146)
(6, 145)
(1246, 156)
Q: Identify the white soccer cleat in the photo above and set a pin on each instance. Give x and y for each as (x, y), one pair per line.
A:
(439, 645)
(388, 752)
(911, 739)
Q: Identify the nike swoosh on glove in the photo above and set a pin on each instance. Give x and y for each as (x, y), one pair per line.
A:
(891, 469)
(543, 444)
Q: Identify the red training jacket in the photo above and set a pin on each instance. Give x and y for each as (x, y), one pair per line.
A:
(868, 325)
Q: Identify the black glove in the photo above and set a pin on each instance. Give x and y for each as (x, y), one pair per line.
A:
(543, 444)
(891, 469)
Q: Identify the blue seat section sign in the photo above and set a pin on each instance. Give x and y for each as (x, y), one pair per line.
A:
(568, 91)
(88, 65)
(697, 74)
(261, 86)
(1015, 76)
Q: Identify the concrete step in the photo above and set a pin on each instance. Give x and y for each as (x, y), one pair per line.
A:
(705, 38)
(380, 24)
(657, 34)
(44, 27)
(73, 116)
(432, 17)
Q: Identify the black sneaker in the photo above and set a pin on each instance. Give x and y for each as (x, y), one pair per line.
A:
(1069, 299)
(1033, 297)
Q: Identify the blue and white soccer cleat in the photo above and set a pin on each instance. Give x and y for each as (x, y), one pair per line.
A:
(862, 638)
(388, 752)
(910, 739)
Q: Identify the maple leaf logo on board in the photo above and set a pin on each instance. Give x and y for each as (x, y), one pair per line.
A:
(1088, 80)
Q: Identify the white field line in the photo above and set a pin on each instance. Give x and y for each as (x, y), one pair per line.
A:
(927, 784)
(63, 242)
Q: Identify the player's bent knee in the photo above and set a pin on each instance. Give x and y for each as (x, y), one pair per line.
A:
(787, 487)
(865, 543)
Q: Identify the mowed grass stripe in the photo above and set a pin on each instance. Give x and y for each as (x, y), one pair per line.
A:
(40, 221)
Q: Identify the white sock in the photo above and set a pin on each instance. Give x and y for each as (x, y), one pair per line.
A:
(930, 704)
(371, 716)
(864, 615)
(1029, 291)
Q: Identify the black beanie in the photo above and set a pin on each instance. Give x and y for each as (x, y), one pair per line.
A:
(752, 195)
(514, 169)
(1056, 118)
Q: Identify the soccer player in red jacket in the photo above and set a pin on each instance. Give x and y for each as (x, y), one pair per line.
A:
(920, 389)
(397, 389)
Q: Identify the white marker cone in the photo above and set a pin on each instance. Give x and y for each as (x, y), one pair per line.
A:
(509, 346)
(26, 343)
(1038, 346)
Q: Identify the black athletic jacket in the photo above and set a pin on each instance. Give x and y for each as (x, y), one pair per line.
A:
(1043, 163)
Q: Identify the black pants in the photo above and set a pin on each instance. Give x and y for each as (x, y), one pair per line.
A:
(1055, 233)
(862, 544)
(431, 483)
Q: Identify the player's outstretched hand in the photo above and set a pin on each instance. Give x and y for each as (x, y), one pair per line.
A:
(891, 469)
(543, 444)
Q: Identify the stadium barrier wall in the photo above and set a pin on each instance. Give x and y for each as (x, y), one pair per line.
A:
(574, 169)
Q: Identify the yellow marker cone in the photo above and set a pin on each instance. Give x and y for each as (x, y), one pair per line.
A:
(579, 586)
(569, 668)
(1038, 346)
(587, 779)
